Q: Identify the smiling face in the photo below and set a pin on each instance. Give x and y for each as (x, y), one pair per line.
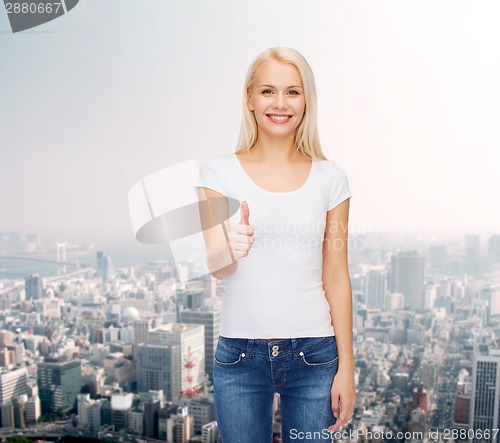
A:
(276, 98)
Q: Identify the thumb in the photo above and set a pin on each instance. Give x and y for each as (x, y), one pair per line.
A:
(245, 213)
(335, 406)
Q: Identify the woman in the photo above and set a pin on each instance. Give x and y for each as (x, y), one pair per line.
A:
(286, 319)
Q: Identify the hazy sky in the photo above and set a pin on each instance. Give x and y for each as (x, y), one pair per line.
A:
(409, 106)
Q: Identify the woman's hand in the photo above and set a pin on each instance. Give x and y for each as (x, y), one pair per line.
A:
(343, 396)
(241, 235)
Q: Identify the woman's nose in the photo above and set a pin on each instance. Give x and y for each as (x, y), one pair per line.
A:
(280, 102)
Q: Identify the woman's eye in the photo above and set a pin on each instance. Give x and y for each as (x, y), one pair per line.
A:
(267, 91)
(293, 92)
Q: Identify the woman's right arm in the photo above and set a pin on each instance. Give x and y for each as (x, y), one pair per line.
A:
(220, 260)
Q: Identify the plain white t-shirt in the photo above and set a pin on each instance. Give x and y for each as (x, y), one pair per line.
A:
(277, 291)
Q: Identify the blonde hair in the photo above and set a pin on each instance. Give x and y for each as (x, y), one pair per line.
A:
(306, 134)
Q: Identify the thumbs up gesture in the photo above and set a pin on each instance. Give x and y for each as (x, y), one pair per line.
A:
(241, 235)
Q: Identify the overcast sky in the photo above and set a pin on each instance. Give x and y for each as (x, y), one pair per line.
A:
(409, 106)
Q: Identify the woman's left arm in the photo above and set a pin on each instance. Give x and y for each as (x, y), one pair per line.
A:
(338, 292)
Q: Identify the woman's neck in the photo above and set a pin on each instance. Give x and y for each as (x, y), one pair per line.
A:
(275, 151)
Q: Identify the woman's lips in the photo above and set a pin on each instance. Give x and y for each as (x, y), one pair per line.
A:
(279, 118)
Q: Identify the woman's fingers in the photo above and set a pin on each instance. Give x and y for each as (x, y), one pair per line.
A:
(241, 240)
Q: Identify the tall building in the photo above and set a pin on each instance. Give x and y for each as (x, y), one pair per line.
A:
(472, 258)
(211, 320)
(104, 266)
(494, 250)
(375, 289)
(59, 382)
(13, 383)
(485, 401)
(181, 426)
(89, 412)
(191, 342)
(189, 300)
(121, 404)
(407, 277)
(437, 257)
(158, 367)
(33, 286)
(142, 326)
(153, 402)
(209, 432)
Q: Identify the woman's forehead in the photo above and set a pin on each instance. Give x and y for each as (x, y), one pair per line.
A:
(274, 73)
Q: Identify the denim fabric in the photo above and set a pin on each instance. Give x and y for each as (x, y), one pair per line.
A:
(247, 373)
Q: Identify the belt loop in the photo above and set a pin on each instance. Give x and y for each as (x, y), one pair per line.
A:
(250, 344)
(295, 347)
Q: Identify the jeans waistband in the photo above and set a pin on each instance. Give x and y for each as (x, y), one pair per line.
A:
(275, 348)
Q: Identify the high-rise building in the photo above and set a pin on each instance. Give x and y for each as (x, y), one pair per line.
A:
(494, 250)
(211, 320)
(191, 342)
(153, 402)
(89, 412)
(158, 367)
(121, 404)
(376, 288)
(104, 266)
(59, 382)
(485, 401)
(13, 383)
(461, 410)
(472, 257)
(437, 258)
(181, 426)
(407, 277)
(33, 286)
(142, 326)
(209, 432)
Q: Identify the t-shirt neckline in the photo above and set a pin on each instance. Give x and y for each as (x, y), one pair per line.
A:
(309, 177)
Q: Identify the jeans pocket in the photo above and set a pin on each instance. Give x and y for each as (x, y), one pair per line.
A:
(226, 357)
(321, 356)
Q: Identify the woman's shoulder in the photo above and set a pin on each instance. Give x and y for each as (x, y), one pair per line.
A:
(218, 159)
(331, 168)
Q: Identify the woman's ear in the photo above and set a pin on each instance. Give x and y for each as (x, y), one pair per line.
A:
(249, 100)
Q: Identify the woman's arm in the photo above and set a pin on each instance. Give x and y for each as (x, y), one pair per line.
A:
(220, 261)
(337, 287)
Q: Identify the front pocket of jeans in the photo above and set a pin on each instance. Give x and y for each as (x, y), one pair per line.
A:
(227, 357)
(321, 356)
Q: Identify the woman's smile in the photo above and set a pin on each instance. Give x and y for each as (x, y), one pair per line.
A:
(279, 118)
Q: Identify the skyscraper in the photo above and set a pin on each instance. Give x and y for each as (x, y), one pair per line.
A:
(211, 320)
(471, 259)
(376, 289)
(494, 250)
(59, 382)
(33, 286)
(438, 257)
(485, 402)
(191, 342)
(158, 367)
(407, 277)
(13, 383)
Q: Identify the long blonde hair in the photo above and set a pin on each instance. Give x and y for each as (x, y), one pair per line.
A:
(306, 134)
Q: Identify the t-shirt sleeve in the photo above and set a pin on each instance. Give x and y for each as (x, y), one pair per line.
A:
(211, 176)
(339, 190)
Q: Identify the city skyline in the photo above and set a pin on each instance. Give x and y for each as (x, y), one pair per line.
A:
(411, 119)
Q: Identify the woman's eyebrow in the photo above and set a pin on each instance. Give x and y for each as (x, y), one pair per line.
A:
(271, 86)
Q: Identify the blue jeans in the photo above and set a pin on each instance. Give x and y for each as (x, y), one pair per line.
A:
(247, 373)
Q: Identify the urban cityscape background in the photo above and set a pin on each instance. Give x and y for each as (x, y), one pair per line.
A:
(126, 353)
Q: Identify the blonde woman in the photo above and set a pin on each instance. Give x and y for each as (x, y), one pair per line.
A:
(286, 319)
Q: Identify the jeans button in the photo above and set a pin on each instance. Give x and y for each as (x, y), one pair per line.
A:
(275, 353)
(275, 348)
